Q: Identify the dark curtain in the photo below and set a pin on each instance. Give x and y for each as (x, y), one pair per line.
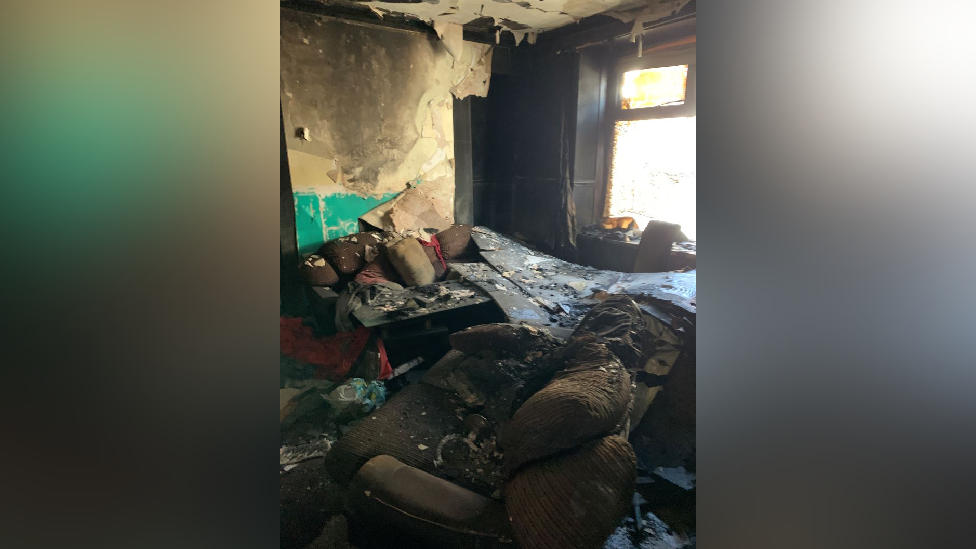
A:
(562, 234)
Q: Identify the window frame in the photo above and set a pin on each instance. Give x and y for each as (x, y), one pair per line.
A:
(679, 55)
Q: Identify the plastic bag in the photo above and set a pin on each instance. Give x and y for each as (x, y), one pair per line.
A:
(356, 398)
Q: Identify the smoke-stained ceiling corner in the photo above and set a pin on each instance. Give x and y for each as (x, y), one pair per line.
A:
(525, 19)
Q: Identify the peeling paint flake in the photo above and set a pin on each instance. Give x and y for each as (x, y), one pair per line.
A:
(476, 79)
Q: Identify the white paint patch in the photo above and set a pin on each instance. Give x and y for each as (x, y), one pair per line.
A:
(438, 157)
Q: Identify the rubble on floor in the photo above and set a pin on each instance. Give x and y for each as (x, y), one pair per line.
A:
(308, 499)
(526, 417)
(291, 456)
(567, 290)
(335, 535)
(651, 533)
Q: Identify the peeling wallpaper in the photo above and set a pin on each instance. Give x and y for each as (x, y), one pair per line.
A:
(377, 107)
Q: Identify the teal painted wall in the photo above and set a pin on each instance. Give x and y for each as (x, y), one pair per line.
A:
(319, 218)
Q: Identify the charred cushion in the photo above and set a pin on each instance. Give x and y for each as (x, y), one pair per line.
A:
(456, 242)
(410, 260)
(317, 271)
(426, 510)
(347, 255)
(588, 399)
(574, 500)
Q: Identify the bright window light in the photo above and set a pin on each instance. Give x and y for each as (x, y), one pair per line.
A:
(652, 174)
(663, 86)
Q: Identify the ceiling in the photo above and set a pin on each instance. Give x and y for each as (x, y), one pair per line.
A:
(523, 18)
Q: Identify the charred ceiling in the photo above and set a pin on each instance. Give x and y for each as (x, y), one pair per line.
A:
(499, 21)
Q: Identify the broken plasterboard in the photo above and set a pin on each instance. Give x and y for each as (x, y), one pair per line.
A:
(452, 34)
(475, 71)
(427, 207)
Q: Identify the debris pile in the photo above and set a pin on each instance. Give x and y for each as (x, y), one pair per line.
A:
(427, 298)
(521, 418)
(567, 443)
(409, 258)
(317, 412)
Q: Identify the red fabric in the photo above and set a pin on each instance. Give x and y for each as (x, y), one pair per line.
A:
(437, 248)
(378, 270)
(367, 276)
(333, 355)
(386, 370)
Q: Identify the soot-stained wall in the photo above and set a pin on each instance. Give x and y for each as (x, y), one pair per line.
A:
(377, 105)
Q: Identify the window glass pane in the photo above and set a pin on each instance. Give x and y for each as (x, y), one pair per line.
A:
(654, 87)
(653, 171)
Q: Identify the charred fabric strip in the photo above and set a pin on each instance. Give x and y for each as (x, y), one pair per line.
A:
(619, 321)
(573, 500)
(511, 339)
(435, 262)
(587, 400)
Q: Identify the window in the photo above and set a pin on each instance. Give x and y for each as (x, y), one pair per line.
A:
(657, 87)
(653, 160)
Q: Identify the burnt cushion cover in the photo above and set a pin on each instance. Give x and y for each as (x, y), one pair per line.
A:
(574, 500)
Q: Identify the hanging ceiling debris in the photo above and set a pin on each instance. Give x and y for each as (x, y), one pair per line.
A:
(524, 19)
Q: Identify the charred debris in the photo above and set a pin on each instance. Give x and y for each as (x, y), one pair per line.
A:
(471, 391)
